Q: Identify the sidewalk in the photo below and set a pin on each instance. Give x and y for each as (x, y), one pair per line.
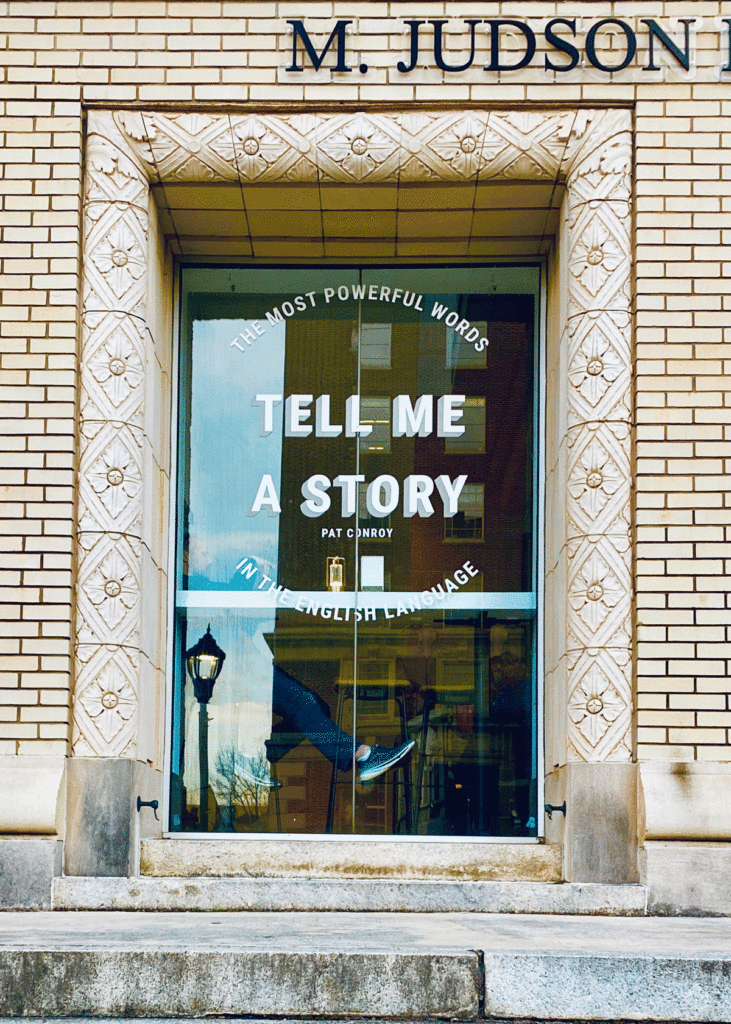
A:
(335, 965)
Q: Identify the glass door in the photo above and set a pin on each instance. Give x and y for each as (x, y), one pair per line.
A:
(356, 552)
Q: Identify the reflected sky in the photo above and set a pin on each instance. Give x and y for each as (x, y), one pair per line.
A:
(222, 488)
(223, 420)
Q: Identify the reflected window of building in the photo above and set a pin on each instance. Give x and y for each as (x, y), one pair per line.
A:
(375, 346)
(468, 523)
(463, 353)
(473, 421)
(375, 412)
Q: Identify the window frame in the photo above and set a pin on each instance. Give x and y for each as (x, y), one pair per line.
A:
(538, 541)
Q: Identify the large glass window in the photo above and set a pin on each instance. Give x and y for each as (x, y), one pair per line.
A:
(356, 570)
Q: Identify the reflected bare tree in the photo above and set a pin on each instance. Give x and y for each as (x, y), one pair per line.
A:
(235, 786)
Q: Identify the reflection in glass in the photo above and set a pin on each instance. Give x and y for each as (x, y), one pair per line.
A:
(468, 522)
(204, 662)
(356, 527)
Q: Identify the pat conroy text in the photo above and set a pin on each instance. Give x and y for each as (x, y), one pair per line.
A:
(410, 418)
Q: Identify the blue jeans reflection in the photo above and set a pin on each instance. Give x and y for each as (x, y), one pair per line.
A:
(304, 714)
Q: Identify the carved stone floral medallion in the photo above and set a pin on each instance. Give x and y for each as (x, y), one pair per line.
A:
(114, 361)
(361, 149)
(105, 706)
(598, 475)
(461, 145)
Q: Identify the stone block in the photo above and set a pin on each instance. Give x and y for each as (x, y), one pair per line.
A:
(607, 986)
(103, 825)
(686, 799)
(371, 895)
(268, 858)
(600, 832)
(27, 869)
(688, 879)
(165, 983)
(31, 797)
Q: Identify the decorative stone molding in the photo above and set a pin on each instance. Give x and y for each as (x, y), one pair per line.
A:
(588, 151)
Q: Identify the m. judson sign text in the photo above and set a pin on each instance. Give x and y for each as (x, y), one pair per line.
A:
(570, 42)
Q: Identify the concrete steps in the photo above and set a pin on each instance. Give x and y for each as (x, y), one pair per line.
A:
(261, 874)
(328, 894)
(337, 967)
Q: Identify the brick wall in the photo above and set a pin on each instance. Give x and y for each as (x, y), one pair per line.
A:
(683, 423)
(40, 194)
(60, 56)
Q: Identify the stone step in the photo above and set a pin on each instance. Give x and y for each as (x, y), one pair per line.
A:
(305, 894)
(342, 966)
(346, 858)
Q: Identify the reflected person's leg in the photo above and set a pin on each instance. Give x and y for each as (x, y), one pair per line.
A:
(300, 708)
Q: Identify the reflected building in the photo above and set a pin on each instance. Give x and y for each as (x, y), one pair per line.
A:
(426, 674)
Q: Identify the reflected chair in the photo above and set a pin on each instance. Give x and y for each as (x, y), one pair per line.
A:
(497, 754)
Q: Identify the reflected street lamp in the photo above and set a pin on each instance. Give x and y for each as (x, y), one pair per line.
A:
(204, 662)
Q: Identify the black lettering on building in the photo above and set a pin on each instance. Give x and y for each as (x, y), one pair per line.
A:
(631, 44)
(530, 44)
(438, 42)
(561, 44)
(299, 32)
(655, 32)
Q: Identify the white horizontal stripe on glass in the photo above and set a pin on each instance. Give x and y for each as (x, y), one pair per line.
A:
(520, 601)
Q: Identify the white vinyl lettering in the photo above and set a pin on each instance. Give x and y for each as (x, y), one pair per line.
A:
(267, 403)
(347, 484)
(380, 506)
(296, 411)
(448, 414)
(266, 495)
(450, 493)
(412, 419)
(314, 491)
(417, 489)
(323, 426)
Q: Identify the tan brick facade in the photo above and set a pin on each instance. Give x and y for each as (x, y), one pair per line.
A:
(62, 58)
(41, 196)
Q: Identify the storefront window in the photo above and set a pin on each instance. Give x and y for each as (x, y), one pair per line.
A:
(356, 564)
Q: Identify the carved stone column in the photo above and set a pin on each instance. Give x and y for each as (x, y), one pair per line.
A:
(602, 805)
(115, 362)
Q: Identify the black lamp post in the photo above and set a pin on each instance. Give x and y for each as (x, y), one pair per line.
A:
(204, 662)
